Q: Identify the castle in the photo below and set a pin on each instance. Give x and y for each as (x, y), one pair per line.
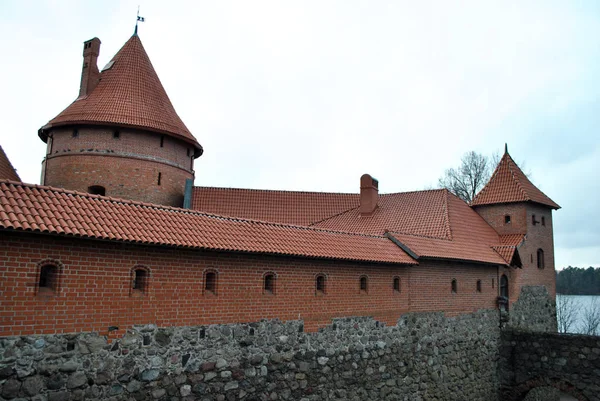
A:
(116, 235)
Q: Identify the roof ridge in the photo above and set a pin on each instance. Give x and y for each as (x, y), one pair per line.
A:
(181, 210)
(332, 216)
(511, 162)
(422, 236)
(279, 190)
(447, 215)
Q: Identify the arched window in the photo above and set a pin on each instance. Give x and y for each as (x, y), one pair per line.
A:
(320, 284)
(478, 285)
(454, 286)
(540, 258)
(97, 190)
(504, 286)
(139, 280)
(48, 280)
(396, 284)
(269, 283)
(210, 282)
(364, 284)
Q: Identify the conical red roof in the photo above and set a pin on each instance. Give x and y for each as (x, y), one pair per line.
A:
(509, 184)
(129, 94)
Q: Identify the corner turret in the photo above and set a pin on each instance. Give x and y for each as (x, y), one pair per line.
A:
(122, 136)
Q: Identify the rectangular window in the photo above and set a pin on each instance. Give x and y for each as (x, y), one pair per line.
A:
(543, 220)
(507, 219)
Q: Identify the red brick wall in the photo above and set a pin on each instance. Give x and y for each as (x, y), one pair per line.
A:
(537, 236)
(95, 287)
(127, 167)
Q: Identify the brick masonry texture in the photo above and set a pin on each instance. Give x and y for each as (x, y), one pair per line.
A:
(422, 357)
(128, 167)
(538, 236)
(94, 289)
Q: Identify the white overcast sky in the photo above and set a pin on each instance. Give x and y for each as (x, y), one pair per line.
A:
(309, 95)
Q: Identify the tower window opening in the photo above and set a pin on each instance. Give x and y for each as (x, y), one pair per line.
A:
(396, 284)
(478, 285)
(116, 134)
(97, 190)
(507, 219)
(210, 282)
(320, 284)
(544, 221)
(493, 283)
(540, 258)
(75, 133)
(159, 178)
(454, 286)
(188, 152)
(162, 141)
(533, 221)
(269, 283)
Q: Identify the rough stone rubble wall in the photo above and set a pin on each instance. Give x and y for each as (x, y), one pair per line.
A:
(535, 310)
(570, 363)
(423, 357)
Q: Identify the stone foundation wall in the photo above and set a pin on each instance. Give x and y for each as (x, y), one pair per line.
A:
(535, 310)
(423, 357)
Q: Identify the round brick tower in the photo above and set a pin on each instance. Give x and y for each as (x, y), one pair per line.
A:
(121, 137)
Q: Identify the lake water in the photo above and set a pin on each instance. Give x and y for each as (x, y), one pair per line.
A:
(579, 304)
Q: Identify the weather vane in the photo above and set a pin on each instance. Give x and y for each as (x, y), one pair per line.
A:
(139, 19)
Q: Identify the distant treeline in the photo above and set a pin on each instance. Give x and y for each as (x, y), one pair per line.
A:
(578, 281)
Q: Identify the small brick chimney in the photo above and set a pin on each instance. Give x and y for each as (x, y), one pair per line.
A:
(90, 75)
(369, 195)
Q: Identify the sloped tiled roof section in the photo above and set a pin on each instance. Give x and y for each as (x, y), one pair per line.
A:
(32, 208)
(129, 94)
(7, 171)
(510, 254)
(472, 238)
(509, 184)
(288, 207)
(423, 213)
(431, 224)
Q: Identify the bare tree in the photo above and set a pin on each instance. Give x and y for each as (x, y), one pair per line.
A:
(566, 312)
(591, 318)
(468, 179)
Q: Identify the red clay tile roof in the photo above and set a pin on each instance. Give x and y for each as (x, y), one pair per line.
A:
(423, 213)
(509, 254)
(509, 184)
(32, 208)
(432, 224)
(288, 207)
(471, 237)
(128, 94)
(512, 239)
(7, 171)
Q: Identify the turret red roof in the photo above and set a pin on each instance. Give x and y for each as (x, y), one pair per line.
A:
(129, 94)
(509, 184)
(7, 171)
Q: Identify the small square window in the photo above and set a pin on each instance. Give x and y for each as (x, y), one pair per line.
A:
(116, 134)
(75, 133)
(507, 219)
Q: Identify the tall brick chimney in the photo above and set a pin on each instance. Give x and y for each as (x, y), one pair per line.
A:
(369, 194)
(90, 75)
